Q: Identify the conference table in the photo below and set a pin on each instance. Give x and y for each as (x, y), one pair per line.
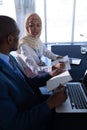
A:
(72, 121)
(73, 51)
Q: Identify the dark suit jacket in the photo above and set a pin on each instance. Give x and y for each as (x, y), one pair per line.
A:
(20, 107)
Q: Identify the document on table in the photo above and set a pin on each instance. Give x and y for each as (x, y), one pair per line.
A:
(75, 61)
(65, 59)
(54, 82)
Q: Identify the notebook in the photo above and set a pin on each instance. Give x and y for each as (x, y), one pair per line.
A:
(77, 99)
(54, 82)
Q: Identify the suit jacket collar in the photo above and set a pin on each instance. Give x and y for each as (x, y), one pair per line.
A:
(7, 70)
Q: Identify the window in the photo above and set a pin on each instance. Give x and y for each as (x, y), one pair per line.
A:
(7, 8)
(1, 2)
(65, 21)
(62, 20)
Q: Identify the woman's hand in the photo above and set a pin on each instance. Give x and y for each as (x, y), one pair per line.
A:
(41, 63)
(59, 57)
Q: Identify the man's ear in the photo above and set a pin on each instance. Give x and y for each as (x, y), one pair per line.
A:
(10, 39)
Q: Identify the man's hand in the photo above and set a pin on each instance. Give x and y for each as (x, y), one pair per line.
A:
(60, 65)
(56, 72)
(57, 98)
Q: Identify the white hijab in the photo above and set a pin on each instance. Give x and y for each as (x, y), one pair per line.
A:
(28, 39)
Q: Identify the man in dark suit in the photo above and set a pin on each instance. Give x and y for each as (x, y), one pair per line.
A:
(22, 107)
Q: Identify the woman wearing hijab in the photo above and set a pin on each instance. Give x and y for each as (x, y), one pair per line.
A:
(31, 47)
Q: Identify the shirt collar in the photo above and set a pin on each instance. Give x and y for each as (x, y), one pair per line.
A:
(4, 57)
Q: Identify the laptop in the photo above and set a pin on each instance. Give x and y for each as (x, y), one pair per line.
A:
(77, 99)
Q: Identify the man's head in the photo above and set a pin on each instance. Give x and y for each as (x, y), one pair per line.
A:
(9, 33)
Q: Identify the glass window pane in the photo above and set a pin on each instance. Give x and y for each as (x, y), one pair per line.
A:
(7, 8)
(39, 8)
(59, 15)
(59, 20)
(80, 33)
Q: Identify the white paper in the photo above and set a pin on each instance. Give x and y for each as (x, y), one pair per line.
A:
(65, 59)
(56, 80)
(75, 61)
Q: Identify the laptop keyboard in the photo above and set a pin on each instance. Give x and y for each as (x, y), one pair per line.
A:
(77, 98)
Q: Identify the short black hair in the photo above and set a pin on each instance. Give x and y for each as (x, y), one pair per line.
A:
(7, 26)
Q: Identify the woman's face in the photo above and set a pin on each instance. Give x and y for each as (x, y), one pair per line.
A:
(34, 26)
